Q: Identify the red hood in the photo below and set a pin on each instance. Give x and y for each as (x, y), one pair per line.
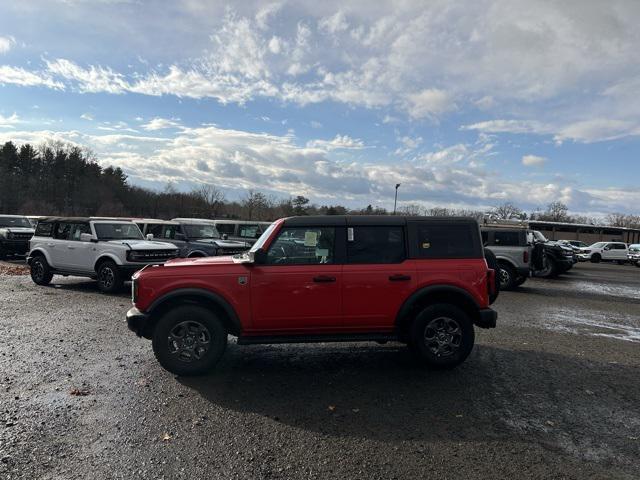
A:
(186, 262)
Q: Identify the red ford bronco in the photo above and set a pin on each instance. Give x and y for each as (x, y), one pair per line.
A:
(417, 280)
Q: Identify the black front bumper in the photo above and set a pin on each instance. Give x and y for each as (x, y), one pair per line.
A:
(137, 321)
(487, 318)
(15, 247)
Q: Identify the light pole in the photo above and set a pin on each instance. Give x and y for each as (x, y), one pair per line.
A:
(395, 201)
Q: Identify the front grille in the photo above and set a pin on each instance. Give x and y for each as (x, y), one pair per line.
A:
(21, 236)
(151, 255)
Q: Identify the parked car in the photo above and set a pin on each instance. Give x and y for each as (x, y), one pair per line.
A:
(512, 252)
(550, 259)
(15, 233)
(108, 250)
(575, 245)
(241, 230)
(605, 251)
(421, 281)
(634, 254)
(202, 238)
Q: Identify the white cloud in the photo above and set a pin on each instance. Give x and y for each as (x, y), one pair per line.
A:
(429, 102)
(92, 79)
(87, 116)
(340, 142)
(533, 161)
(160, 124)
(9, 122)
(6, 44)
(335, 23)
(25, 78)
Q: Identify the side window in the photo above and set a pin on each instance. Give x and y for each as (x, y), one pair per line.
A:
(44, 229)
(441, 240)
(155, 229)
(227, 228)
(78, 229)
(249, 231)
(63, 231)
(302, 246)
(376, 245)
(507, 239)
(620, 246)
(485, 237)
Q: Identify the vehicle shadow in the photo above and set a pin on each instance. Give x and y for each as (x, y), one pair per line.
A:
(380, 393)
(80, 284)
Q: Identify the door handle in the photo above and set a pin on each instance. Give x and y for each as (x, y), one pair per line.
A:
(51, 245)
(399, 278)
(324, 279)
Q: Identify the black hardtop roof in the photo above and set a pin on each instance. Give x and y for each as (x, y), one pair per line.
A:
(84, 219)
(372, 220)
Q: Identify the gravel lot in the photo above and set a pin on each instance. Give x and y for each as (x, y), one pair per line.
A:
(553, 392)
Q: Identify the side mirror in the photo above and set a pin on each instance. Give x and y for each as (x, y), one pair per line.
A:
(149, 236)
(607, 248)
(87, 237)
(260, 256)
(225, 236)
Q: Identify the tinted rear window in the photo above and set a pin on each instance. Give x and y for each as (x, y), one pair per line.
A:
(507, 239)
(376, 245)
(443, 240)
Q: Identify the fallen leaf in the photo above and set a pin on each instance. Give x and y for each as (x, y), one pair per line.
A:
(166, 437)
(76, 392)
(550, 423)
(332, 408)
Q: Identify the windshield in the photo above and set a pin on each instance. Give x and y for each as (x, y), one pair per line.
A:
(263, 238)
(118, 231)
(22, 222)
(634, 248)
(201, 230)
(539, 237)
(598, 245)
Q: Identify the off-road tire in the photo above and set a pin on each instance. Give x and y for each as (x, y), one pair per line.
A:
(596, 258)
(40, 271)
(520, 280)
(507, 275)
(172, 356)
(109, 277)
(424, 338)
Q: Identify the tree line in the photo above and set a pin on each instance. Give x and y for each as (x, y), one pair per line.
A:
(60, 179)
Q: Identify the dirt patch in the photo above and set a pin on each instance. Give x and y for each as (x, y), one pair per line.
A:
(11, 269)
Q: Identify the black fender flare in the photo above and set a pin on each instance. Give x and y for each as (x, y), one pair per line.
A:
(446, 290)
(234, 326)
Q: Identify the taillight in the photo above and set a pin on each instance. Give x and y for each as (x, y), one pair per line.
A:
(525, 256)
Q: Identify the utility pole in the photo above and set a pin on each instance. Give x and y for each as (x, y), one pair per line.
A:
(395, 202)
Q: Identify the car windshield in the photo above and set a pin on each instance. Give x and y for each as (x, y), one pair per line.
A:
(263, 238)
(201, 230)
(598, 245)
(539, 237)
(22, 222)
(634, 248)
(118, 231)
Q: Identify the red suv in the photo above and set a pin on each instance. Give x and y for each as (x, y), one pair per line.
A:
(418, 280)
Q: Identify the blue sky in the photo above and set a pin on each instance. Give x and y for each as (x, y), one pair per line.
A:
(466, 104)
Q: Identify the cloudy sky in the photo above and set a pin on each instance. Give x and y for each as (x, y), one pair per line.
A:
(466, 104)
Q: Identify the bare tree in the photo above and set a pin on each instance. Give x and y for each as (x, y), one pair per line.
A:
(211, 197)
(506, 211)
(556, 212)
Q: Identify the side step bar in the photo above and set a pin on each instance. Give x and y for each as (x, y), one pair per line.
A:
(344, 337)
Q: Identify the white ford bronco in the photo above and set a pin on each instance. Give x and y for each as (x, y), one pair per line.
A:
(108, 250)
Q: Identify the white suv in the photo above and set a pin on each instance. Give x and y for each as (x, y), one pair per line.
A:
(607, 251)
(107, 250)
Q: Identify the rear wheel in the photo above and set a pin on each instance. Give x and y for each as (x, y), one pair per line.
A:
(189, 340)
(442, 336)
(40, 271)
(109, 277)
(595, 258)
(507, 276)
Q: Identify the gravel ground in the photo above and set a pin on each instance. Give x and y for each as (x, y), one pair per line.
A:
(553, 392)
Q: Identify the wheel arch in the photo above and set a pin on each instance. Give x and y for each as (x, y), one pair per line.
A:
(39, 252)
(104, 257)
(196, 296)
(432, 295)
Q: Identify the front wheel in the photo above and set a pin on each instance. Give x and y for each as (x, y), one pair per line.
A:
(549, 270)
(595, 258)
(109, 277)
(442, 336)
(520, 280)
(40, 271)
(189, 340)
(507, 276)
